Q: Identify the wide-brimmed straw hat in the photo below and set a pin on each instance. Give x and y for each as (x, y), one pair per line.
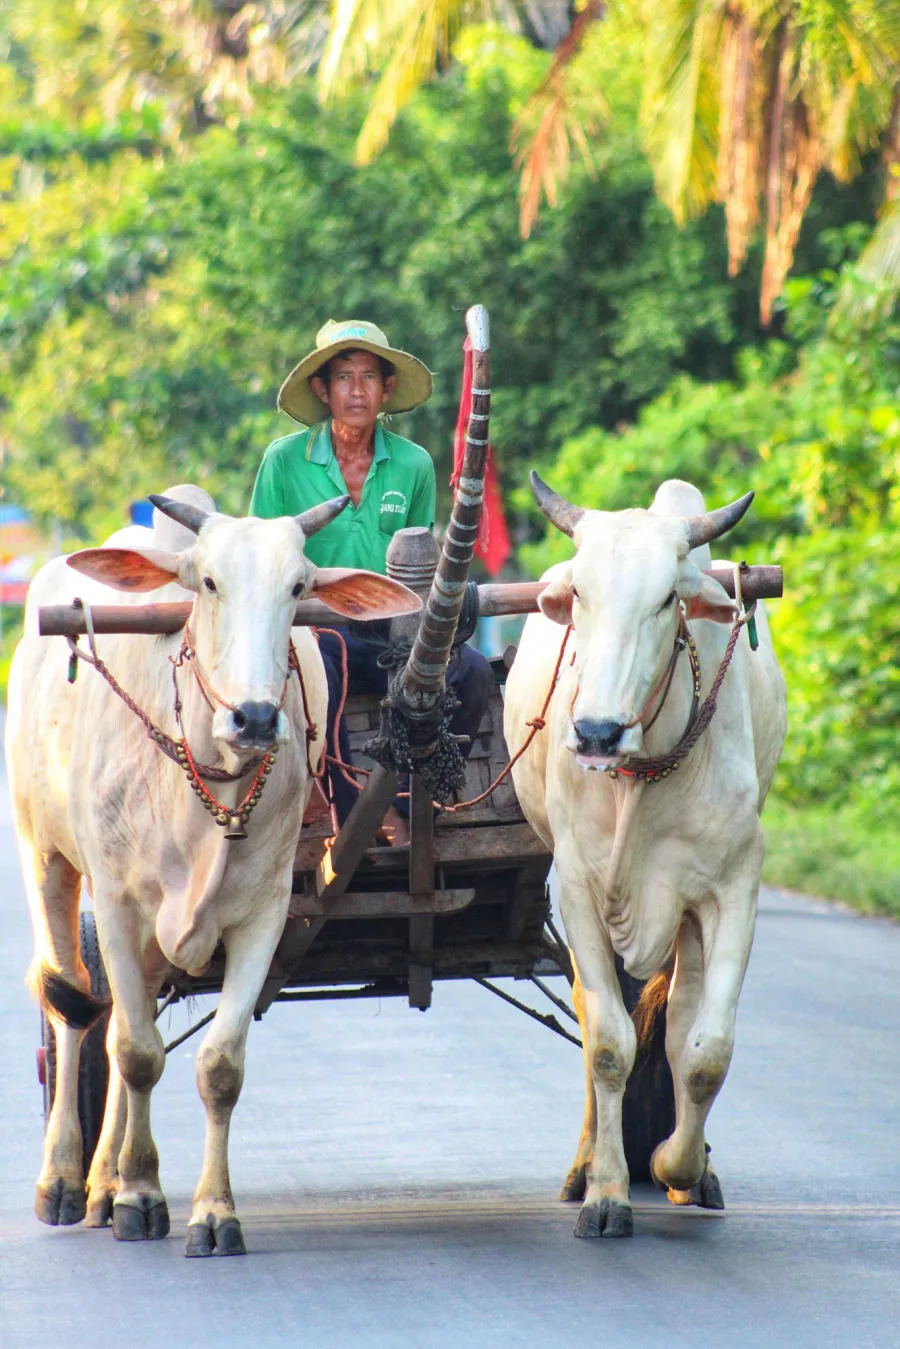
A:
(296, 396)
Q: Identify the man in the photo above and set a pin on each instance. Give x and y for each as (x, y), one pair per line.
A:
(339, 391)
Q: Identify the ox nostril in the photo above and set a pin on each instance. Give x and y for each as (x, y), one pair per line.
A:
(598, 737)
(256, 722)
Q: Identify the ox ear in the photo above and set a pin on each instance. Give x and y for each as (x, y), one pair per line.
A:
(710, 601)
(555, 600)
(134, 569)
(363, 594)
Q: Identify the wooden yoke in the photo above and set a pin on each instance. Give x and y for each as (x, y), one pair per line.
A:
(764, 582)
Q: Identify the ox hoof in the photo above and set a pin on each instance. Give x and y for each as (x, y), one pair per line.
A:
(99, 1209)
(606, 1219)
(150, 1222)
(574, 1185)
(707, 1193)
(207, 1239)
(60, 1204)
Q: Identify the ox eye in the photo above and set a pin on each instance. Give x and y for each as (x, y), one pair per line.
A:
(575, 594)
(667, 602)
(210, 584)
(297, 590)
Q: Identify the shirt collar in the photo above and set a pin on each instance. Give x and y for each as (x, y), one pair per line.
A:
(319, 450)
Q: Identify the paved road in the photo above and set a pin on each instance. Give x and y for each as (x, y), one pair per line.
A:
(397, 1172)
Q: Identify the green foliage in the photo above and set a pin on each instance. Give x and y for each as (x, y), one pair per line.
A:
(838, 851)
(149, 307)
(155, 289)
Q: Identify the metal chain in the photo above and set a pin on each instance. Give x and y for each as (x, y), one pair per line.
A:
(655, 769)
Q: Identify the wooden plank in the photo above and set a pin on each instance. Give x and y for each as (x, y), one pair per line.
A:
(297, 938)
(421, 849)
(487, 847)
(353, 961)
(380, 904)
(421, 962)
(343, 856)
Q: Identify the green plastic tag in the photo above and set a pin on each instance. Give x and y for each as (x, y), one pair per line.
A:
(752, 634)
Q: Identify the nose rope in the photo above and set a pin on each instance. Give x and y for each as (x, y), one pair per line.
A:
(682, 639)
(179, 751)
(652, 770)
(188, 654)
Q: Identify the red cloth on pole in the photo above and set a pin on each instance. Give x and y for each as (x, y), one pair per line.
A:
(492, 545)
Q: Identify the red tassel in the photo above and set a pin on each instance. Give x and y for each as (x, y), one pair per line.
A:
(492, 545)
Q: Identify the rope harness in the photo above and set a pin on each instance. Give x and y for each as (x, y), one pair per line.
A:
(394, 745)
(179, 751)
(658, 768)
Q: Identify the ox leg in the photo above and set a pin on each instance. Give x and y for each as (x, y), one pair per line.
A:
(53, 888)
(139, 1211)
(60, 1196)
(609, 1041)
(103, 1177)
(711, 958)
(575, 1183)
(214, 1225)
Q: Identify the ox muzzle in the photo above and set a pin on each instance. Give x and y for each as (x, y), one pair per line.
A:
(599, 745)
(254, 725)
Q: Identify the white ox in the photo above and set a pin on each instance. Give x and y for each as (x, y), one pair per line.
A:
(647, 871)
(95, 798)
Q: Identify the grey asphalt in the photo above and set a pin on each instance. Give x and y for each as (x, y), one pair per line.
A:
(397, 1174)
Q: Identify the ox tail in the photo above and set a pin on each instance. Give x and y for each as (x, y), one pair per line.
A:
(71, 1004)
(648, 1109)
(649, 1017)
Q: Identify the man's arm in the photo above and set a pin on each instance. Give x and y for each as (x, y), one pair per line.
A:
(422, 502)
(267, 500)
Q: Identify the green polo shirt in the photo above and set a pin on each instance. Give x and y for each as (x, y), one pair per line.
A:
(301, 470)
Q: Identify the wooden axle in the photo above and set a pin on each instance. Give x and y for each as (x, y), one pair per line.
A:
(510, 597)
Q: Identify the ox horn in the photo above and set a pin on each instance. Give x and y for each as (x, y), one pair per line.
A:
(713, 524)
(190, 516)
(317, 517)
(557, 510)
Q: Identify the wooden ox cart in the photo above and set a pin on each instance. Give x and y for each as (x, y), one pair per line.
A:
(468, 899)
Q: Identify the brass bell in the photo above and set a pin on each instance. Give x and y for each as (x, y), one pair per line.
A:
(235, 828)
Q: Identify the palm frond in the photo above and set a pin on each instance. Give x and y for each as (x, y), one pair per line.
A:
(740, 165)
(794, 158)
(362, 34)
(549, 126)
(879, 261)
(681, 102)
(424, 37)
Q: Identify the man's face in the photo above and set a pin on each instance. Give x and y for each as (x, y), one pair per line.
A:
(356, 391)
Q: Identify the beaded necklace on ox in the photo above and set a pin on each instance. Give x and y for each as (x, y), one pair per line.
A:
(232, 818)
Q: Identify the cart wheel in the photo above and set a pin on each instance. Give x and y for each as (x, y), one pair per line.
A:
(93, 1069)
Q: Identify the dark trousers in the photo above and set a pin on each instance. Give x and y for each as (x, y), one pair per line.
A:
(470, 677)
